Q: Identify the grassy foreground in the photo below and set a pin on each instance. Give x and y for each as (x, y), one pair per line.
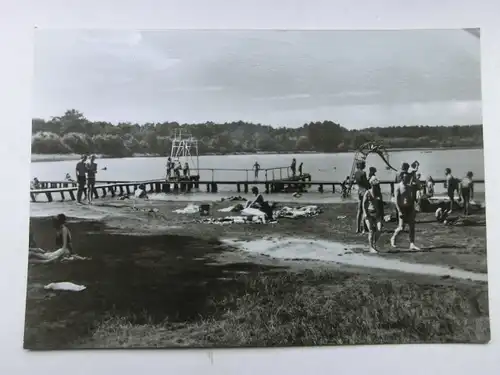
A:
(165, 290)
(318, 308)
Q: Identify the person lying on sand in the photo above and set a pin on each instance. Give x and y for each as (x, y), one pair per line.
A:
(260, 204)
(373, 216)
(405, 206)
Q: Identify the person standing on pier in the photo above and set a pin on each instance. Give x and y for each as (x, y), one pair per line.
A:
(81, 178)
(256, 168)
(405, 206)
(361, 180)
(293, 166)
(169, 167)
(91, 172)
(185, 170)
(300, 168)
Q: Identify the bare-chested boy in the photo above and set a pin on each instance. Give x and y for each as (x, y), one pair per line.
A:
(405, 205)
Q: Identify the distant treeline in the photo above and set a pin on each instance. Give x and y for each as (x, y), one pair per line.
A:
(73, 133)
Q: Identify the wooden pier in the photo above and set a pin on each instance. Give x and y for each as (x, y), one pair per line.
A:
(68, 190)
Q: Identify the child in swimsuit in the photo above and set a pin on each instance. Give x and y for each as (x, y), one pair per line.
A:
(467, 191)
(372, 214)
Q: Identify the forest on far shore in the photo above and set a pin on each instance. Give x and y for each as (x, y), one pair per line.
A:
(72, 133)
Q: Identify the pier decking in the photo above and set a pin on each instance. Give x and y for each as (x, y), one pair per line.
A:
(67, 190)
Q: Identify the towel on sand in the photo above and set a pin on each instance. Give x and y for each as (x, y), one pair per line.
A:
(189, 209)
(65, 286)
(298, 212)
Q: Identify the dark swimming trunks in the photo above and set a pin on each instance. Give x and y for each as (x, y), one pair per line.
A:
(82, 181)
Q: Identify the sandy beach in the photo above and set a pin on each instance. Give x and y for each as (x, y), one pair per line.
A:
(158, 278)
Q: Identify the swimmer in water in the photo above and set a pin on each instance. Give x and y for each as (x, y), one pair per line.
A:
(405, 206)
(363, 185)
(467, 191)
(372, 214)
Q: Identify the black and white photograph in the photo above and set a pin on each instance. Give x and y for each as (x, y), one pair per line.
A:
(256, 188)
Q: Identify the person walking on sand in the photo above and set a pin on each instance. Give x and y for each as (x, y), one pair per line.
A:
(405, 206)
(256, 168)
(91, 172)
(467, 191)
(81, 178)
(451, 184)
(361, 180)
(293, 167)
(372, 214)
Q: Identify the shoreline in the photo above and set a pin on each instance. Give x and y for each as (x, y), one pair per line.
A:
(35, 158)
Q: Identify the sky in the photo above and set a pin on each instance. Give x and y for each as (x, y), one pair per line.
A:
(280, 78)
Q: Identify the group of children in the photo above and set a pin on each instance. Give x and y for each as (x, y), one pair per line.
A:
(176, 167)
(407, 194)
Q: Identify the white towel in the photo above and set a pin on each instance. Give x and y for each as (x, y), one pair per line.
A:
(65, 286)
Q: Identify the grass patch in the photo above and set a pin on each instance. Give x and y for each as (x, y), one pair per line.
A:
(318, 308)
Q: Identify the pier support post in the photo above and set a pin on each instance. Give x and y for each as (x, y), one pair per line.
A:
(208, 188)
(176, 187)
(214, 187)
(157, 187)
(246, 188)
(111, 190)
(165, 187)
(121, 190)
(320, 188)
(62, 195)
(392, 188)
(72, 195)
(49, 196)
(183, 187)
(127, 187)
(238, 189)
(333, 188)
(190, 185)
(33, 197)
(103, 192)
(267, 187)
(151, 187)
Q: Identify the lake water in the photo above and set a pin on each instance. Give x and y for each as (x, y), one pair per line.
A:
(324, 167)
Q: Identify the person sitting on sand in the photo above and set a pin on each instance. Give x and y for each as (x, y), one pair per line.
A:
(373, 216)
(260, 204)
(451, 184)
(467, 191)
(362, 181)
(405, 206)
(63, 242)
